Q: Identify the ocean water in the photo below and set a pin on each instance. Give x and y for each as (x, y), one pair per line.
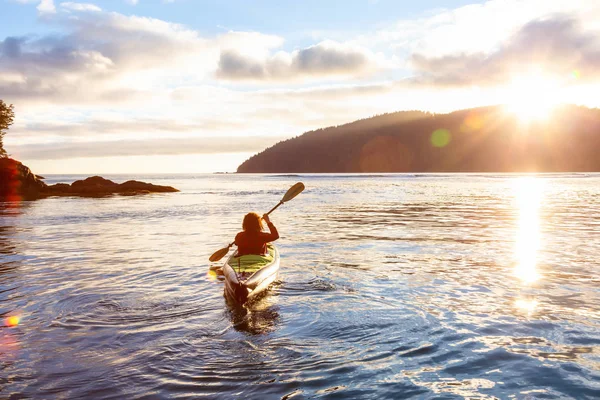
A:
(392, 286)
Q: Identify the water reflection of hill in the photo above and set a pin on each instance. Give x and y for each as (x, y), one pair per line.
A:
(484, 139)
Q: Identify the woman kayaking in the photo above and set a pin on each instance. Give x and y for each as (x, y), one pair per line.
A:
(254, 266)
(252, 240)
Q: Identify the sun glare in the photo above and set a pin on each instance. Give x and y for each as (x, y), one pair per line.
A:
(529, 193)
(533, 97)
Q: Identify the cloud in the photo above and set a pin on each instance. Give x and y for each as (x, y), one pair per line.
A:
(329, 93)
(48, 68)
(175, 146)
(129, 127)
(100, 55)
(103, 57)
(557, 45)
(46, 7)
(79, 6)
(326, 59)
(474, 28)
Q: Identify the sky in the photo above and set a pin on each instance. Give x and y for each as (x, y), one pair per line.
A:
(140, 86)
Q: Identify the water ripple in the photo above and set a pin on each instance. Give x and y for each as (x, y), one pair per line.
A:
(393, 286)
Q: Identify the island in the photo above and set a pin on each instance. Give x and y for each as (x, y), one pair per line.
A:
(485, 139)
(17, 182)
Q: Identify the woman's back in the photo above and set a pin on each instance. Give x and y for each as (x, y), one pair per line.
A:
(252, 240)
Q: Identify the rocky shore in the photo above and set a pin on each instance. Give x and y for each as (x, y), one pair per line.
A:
(18, 182)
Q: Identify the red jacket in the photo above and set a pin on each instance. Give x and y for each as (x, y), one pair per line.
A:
(255, 242)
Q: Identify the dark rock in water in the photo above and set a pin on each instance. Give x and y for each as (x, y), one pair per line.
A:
(59, 187)
(143, 187)
(94, 185)
(18, 182)
(94, 182)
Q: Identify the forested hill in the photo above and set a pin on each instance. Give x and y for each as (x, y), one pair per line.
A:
(487, 139)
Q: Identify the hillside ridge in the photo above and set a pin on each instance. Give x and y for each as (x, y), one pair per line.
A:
(484, 139)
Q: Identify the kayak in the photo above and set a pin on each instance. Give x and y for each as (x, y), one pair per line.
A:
(248, 276)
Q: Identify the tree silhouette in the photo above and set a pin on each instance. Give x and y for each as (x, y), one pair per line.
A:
(7, 115)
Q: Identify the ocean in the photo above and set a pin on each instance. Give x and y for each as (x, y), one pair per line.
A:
(424, 286)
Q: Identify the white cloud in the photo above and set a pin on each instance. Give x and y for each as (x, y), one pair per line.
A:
(477, 28)
(557, 45)
(121, 58)
(249, 44)
(110, 55)
(46, 7)
(325, 59)
(79, 6)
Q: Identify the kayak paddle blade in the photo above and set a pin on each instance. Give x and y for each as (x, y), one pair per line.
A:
(217, 255)
(293, 192)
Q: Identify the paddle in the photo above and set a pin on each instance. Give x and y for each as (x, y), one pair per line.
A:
(290, 194)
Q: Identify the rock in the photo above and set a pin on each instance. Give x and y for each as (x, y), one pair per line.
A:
(59, 188)
(94, 181)
(93, 186)
(142, 186)
(18, 182)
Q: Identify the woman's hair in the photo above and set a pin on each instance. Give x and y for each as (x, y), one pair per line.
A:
(252, 223)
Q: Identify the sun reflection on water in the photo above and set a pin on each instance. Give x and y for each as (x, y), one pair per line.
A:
(529, 193)
(526, 305)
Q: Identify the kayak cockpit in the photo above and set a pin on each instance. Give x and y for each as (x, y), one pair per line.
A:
(248, 276)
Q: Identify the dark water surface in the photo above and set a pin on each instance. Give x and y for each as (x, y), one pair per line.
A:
(392, 286)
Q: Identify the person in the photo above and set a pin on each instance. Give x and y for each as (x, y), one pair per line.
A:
(252, 240)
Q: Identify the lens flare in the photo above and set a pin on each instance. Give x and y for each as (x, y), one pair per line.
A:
(473, 122)
(12, 321)
(11, 182)
(440, 137)
(212, 275)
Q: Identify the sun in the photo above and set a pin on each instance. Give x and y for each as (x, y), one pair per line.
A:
(533, 96)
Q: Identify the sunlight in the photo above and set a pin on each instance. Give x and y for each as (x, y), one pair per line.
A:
(533, 97)
(529, 194)
(526, 305)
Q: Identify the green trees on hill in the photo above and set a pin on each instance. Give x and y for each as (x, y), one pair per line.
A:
(7, 115)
